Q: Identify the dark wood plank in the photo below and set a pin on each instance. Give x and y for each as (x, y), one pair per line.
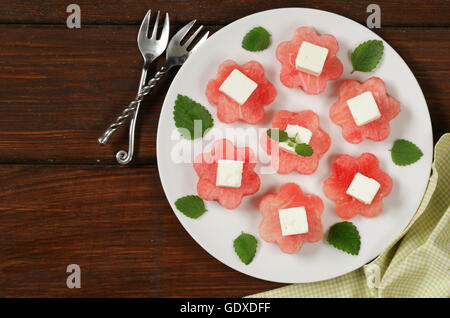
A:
(113, 222)
(60, 89)
(394, 12)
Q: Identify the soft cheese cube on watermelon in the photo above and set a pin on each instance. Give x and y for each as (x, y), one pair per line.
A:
(229, 173)
(301, 134)
(293, 220)
(238, 86)
(372, 120)
(363, 188)
(284, 159)
(290, 197)
(311, 58)
(363, 108)
(292, 76)
(240, 163)
(246, 102)
(286, 146)
(368, 200)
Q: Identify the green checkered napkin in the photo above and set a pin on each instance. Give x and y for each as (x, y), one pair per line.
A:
(416, 264)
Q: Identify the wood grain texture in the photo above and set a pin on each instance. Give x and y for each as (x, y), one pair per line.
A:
(63, 198)
(61, 88)
(394, 12)
(114, 223)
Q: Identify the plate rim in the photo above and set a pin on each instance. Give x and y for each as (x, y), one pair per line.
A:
(223, 29)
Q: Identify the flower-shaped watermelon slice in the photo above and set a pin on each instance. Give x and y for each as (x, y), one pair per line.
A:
(376, 130)
(290, 196)
(343, 170)
(252, 111)
(206, 167)
(287, 52)
(284, 162)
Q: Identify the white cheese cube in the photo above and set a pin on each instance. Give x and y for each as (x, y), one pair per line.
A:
(363, 188)
(238, 87)
(293, 221)
(285, 146)
(301, 134)
(311, 58)
(364, 108)
(229, 173)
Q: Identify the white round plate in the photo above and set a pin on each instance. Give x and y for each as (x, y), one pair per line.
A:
(218, 227)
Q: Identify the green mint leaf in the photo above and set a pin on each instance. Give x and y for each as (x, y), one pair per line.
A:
(293, 139)
(256, 39)
(245, 247)
(191, 205)
(304, 150)
(191, 118)
(367, 55)
(345, 236)
(277, 135)
(405, 152)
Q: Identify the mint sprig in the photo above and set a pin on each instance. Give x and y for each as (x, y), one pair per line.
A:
(304, 150)
(245, 247)
(277, 134)
(345, 236)
(191, 118)
(191, 205)
(301, 149)
(367, 55)
(257, 39)
(404, 152)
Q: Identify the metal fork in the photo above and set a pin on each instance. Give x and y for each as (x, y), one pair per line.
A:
(176, 55)
(150, 49)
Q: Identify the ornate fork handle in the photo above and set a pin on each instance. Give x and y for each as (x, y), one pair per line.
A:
(124, 157)
(176, 55)
(130, 110)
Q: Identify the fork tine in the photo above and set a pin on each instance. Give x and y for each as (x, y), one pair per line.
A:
(165, 30)
(143, 30)
(182, 32)
(189, 41)
(155, 27)
(200, 42)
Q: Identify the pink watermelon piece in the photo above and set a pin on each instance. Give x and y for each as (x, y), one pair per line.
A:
(252, 111)
(290, 196)
(287, 53)
(284, 162)
(344, 169)
(376, 130)
(205, 166)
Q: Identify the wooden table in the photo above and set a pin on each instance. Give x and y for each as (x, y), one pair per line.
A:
(64, 199)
